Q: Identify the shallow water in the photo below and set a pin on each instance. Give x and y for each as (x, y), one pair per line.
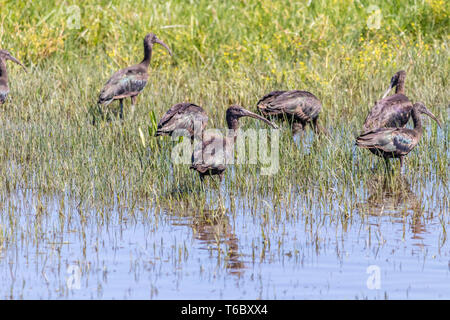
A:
(393, 245)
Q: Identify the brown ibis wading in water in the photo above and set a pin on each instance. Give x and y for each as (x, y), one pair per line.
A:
(183, 116)
(393, 111)
(4, 87)
(212, 154)
(394, 142)
(301, 107)
(129, 82)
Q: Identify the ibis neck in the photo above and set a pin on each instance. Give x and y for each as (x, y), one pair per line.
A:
(232, 135)
(416, 120)
(233, 126)
(147, 54)
(233, 123)
(3, 73)
(400, 87)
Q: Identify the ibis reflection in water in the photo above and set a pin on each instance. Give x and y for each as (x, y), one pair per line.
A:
(393, 111)
(129, 82)
(213, 230)
(301, 107)
(392, 196)
(394, 142)
(4, 87)
(211, 155)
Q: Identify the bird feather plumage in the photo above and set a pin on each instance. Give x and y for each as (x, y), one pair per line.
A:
(393, 111)
(182, 116)
(302, 104)
(124, 83)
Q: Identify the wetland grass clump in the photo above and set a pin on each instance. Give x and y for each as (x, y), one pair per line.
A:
(47, 142)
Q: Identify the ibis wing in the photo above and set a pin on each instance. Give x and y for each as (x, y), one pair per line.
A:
(211, 153)
(124, 83)
(380, 139)
(3, 94)
(392, 111)
(404, 140)
(268, 98)
(302, 104)
(389, 140)
(182, 116)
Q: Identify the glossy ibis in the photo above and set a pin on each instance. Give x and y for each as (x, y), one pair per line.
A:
(393, 111)
(4, 88)
(301, 107)
(183, 116)
(129, 82)
(394, 142)
(212, 153)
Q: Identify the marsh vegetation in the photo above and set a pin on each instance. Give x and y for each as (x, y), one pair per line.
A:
(108, 200)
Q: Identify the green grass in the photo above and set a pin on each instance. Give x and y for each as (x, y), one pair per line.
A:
(225, 52)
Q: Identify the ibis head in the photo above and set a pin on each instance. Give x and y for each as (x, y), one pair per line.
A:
(397, 79)
(419, 106)
(235, 112)
(5, 55)
(151, 38)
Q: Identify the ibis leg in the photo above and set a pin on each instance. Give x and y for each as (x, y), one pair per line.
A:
(315, 126)
(401, 164)
(297, 127)
(319, 129)
(121, 108)
(388, 166)
(133, 104)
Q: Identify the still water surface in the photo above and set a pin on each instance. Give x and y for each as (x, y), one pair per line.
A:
(393, 246)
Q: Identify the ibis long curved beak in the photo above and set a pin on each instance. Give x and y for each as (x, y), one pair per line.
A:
(256, 116)
(432, 116)
(164, 45)
(387, 91)
(10, 57)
